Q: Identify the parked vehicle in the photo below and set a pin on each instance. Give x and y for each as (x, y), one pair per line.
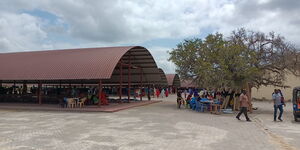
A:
(296, 103)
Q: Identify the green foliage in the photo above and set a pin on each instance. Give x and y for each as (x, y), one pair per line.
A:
(244, 57)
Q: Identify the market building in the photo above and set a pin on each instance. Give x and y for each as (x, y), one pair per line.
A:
(117, 70)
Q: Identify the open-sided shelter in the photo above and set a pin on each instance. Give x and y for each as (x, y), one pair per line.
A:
(121, 66)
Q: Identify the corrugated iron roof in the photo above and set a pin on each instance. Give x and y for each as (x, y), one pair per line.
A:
(163, 77)
(70, 64)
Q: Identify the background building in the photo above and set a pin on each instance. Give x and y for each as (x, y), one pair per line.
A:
(265, 92)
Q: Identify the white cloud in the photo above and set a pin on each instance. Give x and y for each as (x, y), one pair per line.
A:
(279, 16)
(161, 56)
(131, 22)
(20, 32)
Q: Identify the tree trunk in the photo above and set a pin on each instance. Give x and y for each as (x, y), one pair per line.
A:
(249, 94)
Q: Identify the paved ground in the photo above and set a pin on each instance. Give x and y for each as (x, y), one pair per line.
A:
(113, 107)
(156, 126)
(286, 133)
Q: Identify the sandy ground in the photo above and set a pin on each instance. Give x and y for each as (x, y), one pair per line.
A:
(157, 126)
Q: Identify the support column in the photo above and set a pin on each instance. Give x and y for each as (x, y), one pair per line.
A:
(121, 81)
(129, 77)
(99, 92)
(0, 83)
(39, 93)
(14, 88)
(141, 84)
(24, 91)
(249, 94)
(154, 90)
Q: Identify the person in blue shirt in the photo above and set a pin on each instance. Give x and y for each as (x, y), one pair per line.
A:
(193, 101)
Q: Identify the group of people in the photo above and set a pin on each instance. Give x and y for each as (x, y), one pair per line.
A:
(278, 101)
(191, 95)
(211, 94)
(161, 92)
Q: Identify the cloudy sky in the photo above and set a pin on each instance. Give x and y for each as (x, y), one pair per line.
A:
(158, 25)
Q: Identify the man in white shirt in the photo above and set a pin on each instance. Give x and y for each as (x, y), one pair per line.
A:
(276, 96)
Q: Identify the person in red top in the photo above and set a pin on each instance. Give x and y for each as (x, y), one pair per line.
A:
(209, 96)
(244, 104)
(157, 93)
(104, 100)
(167, 93)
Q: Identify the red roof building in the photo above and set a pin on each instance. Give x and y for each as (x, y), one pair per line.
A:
(173, 80)
(132, 65)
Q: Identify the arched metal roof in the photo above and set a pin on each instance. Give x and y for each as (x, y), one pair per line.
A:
(163, 81)
(76, 65)
(173, 80)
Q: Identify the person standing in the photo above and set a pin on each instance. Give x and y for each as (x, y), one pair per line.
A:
(277, 99)
(282, 98)
(179, 99)
(162, 94)
(167, 92)
(149, 91)
(103, 99)
(157, 93)
(244, 104)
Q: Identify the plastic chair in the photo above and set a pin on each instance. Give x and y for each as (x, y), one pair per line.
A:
(71, 102)
(81, 102)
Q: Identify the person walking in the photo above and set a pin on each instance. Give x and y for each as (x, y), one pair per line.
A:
(244, 104)
(277, 99)
(179, 99)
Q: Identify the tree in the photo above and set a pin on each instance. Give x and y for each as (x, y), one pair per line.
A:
(244, 58)
(274, 56)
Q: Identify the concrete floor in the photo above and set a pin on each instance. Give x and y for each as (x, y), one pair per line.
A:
(156, 126)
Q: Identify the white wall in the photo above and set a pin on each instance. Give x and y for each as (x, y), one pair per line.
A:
(266, 92)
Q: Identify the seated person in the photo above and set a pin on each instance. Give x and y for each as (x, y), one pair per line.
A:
(210, 97)
(188, 99)
(193, 102)
(95, 100)
(63, 102)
